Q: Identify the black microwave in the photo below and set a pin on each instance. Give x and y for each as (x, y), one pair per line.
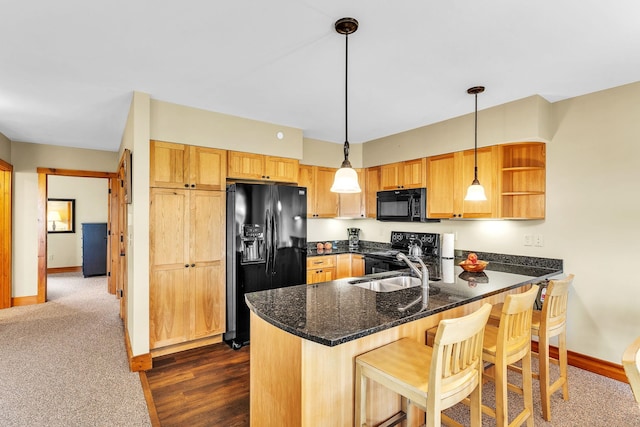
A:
(407, 205)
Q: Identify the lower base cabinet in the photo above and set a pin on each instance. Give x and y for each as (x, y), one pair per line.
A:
(331, 267)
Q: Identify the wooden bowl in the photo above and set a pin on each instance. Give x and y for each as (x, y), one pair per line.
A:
(473, 268)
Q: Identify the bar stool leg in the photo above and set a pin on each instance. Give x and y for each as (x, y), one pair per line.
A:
(502, 408)
(527, 387)
(543, 358)
(360, 412)
(562, 349)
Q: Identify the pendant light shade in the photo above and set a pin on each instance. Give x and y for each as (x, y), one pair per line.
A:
(475, 192)
(346, 179)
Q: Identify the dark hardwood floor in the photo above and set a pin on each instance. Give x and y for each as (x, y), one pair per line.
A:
(207, 386)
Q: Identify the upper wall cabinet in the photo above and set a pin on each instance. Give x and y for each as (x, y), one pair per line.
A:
(448, 177)
(372, 180)
(321, 202)
(185, 166)
(408, 174)
(522, 180)
(258, 167)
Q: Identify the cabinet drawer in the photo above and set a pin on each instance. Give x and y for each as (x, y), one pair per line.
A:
(321, 261)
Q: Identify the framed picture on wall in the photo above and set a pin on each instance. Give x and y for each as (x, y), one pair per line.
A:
(126, 165)
(61, 215)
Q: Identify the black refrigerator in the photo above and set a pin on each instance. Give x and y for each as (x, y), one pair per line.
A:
(266, 247)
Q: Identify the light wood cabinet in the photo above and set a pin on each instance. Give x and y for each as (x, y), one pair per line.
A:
(321, 269)
(353, 205)
(258, 167)
(372, 179)
(321, 202)
(407, 174)
(349, 265)
(186, 166)
(449, 176)
(187, 268)
(522, 180)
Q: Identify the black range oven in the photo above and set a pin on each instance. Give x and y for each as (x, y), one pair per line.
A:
(385, 260)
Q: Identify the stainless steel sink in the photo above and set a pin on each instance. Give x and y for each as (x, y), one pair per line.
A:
(389, 284)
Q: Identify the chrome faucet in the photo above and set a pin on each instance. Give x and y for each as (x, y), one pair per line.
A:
(423, 275)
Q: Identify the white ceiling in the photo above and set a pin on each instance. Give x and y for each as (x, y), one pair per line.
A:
(68, 67)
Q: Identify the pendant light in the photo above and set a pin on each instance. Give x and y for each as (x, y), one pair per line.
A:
(346, 179)
(475, 192)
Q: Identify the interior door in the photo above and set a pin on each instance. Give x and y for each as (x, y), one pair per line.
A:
(6, 171)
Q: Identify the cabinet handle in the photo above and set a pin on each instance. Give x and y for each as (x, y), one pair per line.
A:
(186, 186)
(319, 271)
(193, 186)
(186, 265)
(193, 265)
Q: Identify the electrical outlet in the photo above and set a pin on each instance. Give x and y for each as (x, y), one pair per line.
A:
(539, 241)
(50, 257)
(528, 240)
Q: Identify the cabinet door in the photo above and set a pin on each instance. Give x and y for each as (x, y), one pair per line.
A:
(306, 179)
(245, 165)
(352, 205)
(414, 173)
(343, 266)
(320, 275)
(441, 186)
(206, 258)
(391, 176)
(487, 175)
(281, 169)
(326, 201)
(207, 168)
(372, 188)
(169, 166)
(357, 265)
(169, 276)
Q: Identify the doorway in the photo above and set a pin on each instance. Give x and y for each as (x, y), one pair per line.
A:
(43, 174)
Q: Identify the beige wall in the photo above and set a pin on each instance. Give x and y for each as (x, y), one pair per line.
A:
(91, 197)
(26, 158)
(527, 119)
(5, 148)
(187, 125)
(329, 154)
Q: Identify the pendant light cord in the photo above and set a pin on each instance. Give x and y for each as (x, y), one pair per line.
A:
(346, 97)
(475, 155)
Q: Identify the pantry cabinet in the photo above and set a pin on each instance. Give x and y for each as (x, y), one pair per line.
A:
(321, 202)
(522, 180)
(449, 176)
(187, 265)
(258, 167)
(407, 174)
(186, 166)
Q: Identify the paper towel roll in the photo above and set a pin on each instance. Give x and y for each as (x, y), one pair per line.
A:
(447, 245)
(448, 271)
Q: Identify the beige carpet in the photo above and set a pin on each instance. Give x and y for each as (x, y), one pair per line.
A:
(594, 401)
(63, 363)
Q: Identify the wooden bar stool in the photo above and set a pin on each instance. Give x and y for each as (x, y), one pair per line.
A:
(631, 363)
(550, 322)
(505, 345)
(431, 378)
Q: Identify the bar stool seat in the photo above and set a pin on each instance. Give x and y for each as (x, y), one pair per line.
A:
(431, 378)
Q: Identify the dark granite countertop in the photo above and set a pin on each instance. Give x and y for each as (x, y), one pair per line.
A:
(335, 312)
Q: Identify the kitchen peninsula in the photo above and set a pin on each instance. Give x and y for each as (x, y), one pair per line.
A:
(304, 338)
